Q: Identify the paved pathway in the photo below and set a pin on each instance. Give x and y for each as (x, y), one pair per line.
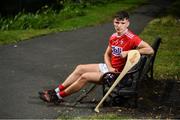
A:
(43, 62)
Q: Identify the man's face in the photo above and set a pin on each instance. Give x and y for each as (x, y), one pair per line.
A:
(121, 25)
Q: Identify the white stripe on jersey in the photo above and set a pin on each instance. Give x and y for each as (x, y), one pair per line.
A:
(129, 34)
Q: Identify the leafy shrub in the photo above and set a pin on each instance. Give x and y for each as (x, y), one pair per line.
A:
(43, 18)
(48, 17)
(72, 10)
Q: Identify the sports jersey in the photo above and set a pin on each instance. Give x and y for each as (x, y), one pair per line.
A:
(125, 42)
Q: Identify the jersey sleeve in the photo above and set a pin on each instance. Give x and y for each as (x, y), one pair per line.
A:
(137, 41)
(111, 39)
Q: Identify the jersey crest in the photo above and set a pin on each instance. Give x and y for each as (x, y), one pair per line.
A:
(116, 50)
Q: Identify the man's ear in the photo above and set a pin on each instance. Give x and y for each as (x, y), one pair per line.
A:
(128, 23)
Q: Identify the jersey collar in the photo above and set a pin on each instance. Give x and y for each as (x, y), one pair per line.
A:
(122, 34)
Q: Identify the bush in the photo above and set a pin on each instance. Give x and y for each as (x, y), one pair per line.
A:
(41, 19)
(72, 10)
(48, 17)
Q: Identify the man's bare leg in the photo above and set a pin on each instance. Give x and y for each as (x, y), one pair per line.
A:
(80, 69)
(82, 81)
(79, 78)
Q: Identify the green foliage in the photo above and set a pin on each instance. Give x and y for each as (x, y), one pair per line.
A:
(49, 18)
(45, 17)
(88, 2)
(41, 19)
(167, 27)
(72, 10)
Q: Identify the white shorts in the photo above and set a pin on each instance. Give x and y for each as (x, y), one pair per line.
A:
(103, 67)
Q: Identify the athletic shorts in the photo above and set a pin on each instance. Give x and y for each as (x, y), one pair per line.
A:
(103, 67)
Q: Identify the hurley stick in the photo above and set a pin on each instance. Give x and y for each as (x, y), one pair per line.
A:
(132, 59)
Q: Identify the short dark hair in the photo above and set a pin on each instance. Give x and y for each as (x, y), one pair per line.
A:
(122, 15)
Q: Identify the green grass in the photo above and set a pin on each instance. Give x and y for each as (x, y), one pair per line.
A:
(96, 117)
(26, 26)
(98, 14)
(167, 64)
(13, 36)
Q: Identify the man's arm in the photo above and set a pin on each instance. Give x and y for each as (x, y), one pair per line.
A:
(107, 59)
(145, 48)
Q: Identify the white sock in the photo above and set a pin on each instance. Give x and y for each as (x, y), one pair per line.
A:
(59, 96)
(57, 90)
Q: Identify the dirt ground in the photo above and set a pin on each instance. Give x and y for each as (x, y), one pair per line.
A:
(157, 99)
(160, 98)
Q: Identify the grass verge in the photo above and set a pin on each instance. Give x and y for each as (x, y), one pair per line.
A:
(96, 117)
(167, 65)
(14, 36)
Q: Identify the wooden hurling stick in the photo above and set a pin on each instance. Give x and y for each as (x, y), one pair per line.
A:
(132, 59)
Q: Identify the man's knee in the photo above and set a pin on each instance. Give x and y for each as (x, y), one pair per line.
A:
(84, 78)
(79, 69)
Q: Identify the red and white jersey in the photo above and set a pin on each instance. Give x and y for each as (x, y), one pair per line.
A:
(125, 42)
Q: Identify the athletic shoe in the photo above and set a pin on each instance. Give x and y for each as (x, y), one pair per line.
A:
(50, 96)
(50, 91)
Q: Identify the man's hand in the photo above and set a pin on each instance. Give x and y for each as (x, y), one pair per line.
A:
(111, 69)
(124, 54)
